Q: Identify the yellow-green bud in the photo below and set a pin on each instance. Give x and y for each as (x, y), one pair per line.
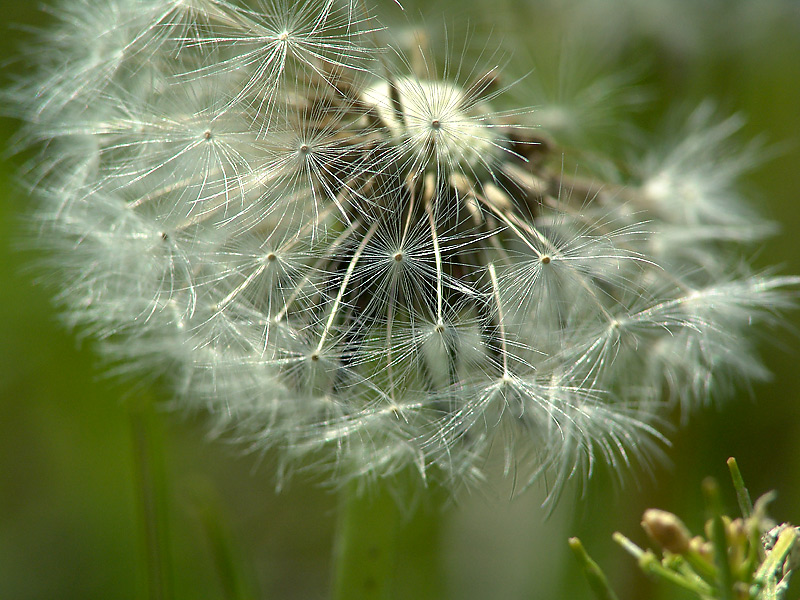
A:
(667, 530)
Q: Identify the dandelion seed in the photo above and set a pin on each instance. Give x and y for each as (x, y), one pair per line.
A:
(367, 265)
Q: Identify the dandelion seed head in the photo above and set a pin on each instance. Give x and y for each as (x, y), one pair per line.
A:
(365, 265)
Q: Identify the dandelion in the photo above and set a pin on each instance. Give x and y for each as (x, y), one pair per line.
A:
(339, 247)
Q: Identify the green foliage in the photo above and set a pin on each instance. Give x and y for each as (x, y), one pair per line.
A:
(744, 558)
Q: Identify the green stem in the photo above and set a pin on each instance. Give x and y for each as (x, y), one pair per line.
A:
(366, 543)
(387, 544)
(649, 564)
(719, 540)
(419, 549)
(774, 562)
(594, 575)
(742, 495)
(152, 492)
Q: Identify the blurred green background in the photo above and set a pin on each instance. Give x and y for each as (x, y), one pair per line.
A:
(69, 520)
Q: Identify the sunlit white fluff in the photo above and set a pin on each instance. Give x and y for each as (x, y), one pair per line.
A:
(355, 258)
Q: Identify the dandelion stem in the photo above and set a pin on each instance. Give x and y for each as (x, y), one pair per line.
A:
(151, 484)
(366, 542)
(379, 525)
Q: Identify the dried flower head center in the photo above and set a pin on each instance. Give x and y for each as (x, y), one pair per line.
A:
(430, 116)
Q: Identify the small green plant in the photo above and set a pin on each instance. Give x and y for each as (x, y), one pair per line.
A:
(744, 558)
